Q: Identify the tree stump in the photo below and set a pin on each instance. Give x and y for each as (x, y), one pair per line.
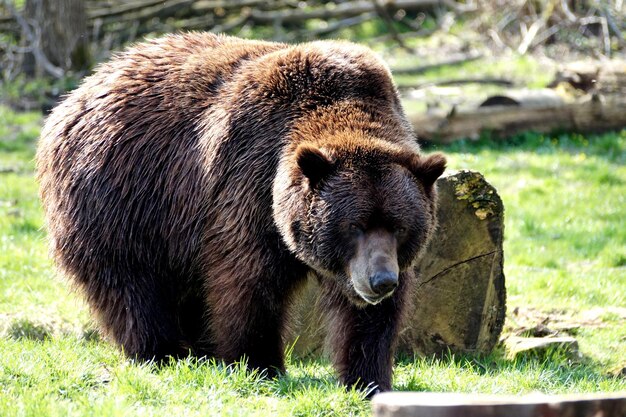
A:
(460, 299)
(413, 404)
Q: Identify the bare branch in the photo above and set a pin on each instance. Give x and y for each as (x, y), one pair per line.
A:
(341, 24)
(606, 13)
(454, 60)
(383, 13)
(529, 36)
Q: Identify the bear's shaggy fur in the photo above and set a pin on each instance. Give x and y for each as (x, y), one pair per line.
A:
(193, 182)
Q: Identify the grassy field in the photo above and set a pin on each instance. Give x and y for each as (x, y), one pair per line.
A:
(565, 199)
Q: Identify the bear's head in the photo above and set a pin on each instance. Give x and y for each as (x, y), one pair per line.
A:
(357, 213)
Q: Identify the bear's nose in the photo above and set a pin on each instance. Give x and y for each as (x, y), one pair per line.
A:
(384, 282)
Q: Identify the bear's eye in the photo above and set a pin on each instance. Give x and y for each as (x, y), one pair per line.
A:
(355, 228)
(401, 231)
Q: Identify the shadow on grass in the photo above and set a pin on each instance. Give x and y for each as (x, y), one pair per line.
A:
(29, 330)
(43, 329)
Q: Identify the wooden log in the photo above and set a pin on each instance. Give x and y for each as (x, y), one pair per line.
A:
(526, 98)
(460, 302)
(593, 100)
(539, 346)
(505, 82)
(412, 404)
(593, 76)
(592, 113)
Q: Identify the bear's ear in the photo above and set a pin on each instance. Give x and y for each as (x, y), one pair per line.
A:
(313, 163)
(428, 168)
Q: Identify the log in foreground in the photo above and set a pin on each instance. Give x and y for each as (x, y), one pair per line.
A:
(460, 299)
(413, 404)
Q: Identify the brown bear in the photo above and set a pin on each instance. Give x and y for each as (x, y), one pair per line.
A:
(193, 183)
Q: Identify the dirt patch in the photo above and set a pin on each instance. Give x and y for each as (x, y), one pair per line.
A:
(532, 322)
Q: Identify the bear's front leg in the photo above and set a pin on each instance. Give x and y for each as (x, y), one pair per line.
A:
(363, 339)
(247, 326)
(247, 299)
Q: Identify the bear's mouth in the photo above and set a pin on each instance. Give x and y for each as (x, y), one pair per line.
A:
(372, 300)
(360, 295)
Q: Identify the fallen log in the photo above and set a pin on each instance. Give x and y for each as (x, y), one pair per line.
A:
(460, 299)
(593, 76)
(585, 97)
(590, 114)
(505, 82)
(425, 404)
(538, 346)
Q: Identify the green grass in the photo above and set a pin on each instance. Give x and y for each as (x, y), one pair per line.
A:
(565, 227)
(565, 200)
(565, 251)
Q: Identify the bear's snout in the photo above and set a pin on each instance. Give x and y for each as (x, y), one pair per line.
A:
(384, 282)
(374, 268)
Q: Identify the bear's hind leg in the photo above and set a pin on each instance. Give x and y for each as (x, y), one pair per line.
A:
(136, 312)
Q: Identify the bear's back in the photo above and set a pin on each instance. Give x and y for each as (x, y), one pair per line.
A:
(118, 161)
(154, 144)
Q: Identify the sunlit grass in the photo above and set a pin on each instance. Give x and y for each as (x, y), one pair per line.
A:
(565, 249)
(565, 224)
(565, 200)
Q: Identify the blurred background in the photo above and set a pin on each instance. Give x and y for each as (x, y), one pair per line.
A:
(443, 53)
